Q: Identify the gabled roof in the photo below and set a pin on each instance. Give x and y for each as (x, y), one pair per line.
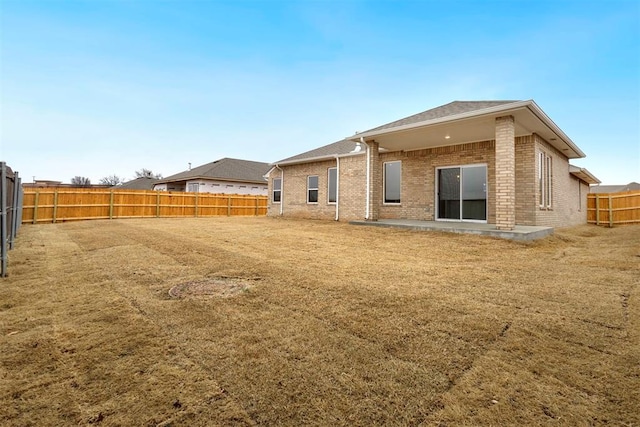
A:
(450, 109)
(468, 121)
(457, 122)
(142, 183)
(339, 148)
(615, 188)
(224, 169)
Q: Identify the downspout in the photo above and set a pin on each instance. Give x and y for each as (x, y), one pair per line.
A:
(366, 210)
(337, 187)
(281, 189)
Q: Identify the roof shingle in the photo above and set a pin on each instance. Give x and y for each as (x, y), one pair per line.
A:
(225, 169)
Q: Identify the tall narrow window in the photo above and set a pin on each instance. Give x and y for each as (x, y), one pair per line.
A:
(545, 184)
(332, 185)
(392, 184)
(312, 189)
(277, 190)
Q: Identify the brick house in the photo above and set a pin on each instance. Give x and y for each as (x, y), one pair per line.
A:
(497, 162)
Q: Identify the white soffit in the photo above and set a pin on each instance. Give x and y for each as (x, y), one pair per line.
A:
(465, 128)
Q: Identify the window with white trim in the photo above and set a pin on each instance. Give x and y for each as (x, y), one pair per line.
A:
(332, 185)
(193, 187)
(392, 182)
(277, 190)
(545, 182)
(312, 189)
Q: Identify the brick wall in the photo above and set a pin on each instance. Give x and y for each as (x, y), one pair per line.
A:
(351, 190)
(526, 184)
(505, 188)
(569, 194)
(418, 184)
(419, 177)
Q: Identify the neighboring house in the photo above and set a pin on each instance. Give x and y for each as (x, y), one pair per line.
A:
(632, 186)
(496, 162)
(224, 176)
(141, 183)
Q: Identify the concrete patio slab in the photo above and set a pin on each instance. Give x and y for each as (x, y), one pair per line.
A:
(520, 232)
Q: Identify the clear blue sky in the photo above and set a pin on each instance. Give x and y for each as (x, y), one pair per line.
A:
(94, 88)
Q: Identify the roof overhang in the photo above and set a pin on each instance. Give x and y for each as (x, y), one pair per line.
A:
(583, 174)
(316, 159)
(473, 126)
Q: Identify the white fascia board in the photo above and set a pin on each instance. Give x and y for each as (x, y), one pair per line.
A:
(316, 159)
(535, 109)
(583, 174)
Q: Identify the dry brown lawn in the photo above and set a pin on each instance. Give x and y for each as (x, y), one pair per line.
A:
(330, 324)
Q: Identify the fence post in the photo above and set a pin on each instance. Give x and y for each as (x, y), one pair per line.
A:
(55, 206)
(158, 204)
(196, 207)
(16, 218)
(597, 210)
(3, 217)
(35, 207)
(20, 201)
(610, 212)
(111, 205)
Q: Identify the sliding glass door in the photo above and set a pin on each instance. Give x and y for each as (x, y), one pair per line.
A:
(462, 193)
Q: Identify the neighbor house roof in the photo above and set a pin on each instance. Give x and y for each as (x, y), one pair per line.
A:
(142, 183)
(615, 188)
(224, 169)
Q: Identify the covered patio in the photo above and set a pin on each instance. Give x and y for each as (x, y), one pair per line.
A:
(519, 232)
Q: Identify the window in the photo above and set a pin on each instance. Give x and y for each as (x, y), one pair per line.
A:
(392, 174)
(277, 190)
(312, 189)
(545, 185)
(192, 187)
(332, 185)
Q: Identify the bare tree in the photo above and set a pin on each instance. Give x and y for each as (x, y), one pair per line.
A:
(111, 180)
(147, 173)
(81, 181)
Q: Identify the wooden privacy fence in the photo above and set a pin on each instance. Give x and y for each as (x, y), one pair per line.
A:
(614, 208)
(70, 204)
(10, 212)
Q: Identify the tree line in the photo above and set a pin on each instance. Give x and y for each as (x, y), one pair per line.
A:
(113, 180)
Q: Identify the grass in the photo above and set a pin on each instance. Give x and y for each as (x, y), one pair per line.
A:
(338, 325)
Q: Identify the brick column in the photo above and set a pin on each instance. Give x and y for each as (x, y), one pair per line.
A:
(375, 181)
(505, 191)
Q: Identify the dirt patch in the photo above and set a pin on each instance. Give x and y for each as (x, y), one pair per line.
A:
(219, 287)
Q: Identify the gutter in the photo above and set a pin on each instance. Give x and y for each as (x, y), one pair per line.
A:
(337, 186)
(366, 209)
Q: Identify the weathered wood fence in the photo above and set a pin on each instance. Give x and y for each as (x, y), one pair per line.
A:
(71, 204)
(609, 209)
(10, 212)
